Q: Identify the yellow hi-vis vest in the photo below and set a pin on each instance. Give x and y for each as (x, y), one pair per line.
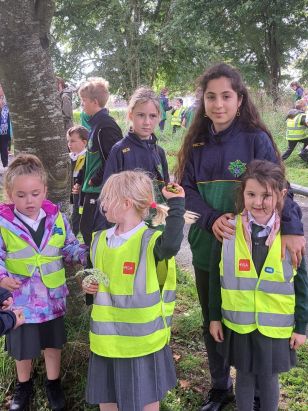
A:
(23, 259)
(132, 312)
(266, 303)
(176, 118)
(296, 131)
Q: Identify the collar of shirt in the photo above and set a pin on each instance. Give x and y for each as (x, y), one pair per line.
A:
(114, 240)
(31, 223)
(74, 156)
(266, 228)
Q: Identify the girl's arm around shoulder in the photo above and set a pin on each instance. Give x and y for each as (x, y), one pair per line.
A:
(168, 244)
(73, 251)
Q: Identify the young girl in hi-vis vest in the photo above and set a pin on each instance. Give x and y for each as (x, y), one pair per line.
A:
(264, 300)
(131, 366)
(35, 238)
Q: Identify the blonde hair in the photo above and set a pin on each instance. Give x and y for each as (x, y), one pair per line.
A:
(24, 165)
(138, 187)
(95, 88)
(143, 95)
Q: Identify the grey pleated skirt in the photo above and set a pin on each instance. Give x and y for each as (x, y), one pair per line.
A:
(28, 340)
(132, 383)
(255, 353)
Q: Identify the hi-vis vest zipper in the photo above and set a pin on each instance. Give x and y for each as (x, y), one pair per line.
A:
(23, 259)
(250, 302)
(132, 313)
(296, 131)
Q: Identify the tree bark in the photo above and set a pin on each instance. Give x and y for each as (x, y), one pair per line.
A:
(28, 80)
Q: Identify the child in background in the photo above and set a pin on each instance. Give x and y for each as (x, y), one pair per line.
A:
(8, 318)
(131, 366)
(164, 107)
(77, 139)
(298, 90)
(35, 240)
(5, 130)
(177, 114)
(105, 132)
(264, 304)
(297, 123)
(139, 148)
(226, 134)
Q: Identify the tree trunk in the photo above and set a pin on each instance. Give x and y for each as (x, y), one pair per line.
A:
(29, 84)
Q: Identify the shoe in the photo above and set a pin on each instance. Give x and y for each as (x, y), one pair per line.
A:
(256, 404)
(22, 396)
(304, 155)
(217, 399)
(55, 394)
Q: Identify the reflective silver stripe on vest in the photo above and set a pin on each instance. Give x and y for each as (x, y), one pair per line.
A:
(27, 252)
(126, 301)
(228, 280)
(239, 317)
(287, 267)
(24, 253)
(276, 320)
(140, 299)
(127, 329)
(51, 251)
(169, 296)
(51, 267)
(94, 244)
(274, 287)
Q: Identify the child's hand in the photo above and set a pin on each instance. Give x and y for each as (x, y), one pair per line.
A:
(76, 189)
(20, 318)
(6, 304)
(295, 244)
(297, 340)
(222, 228)
(10, 283)
(89, 288)
(172, 190)
(216, 331)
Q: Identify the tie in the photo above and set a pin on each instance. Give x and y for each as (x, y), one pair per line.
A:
(255, 230)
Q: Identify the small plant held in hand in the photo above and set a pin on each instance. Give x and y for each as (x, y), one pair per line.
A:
(93, 276)
(172, 188)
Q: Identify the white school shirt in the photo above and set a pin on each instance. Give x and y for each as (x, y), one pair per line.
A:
(114, 240)
(266, 228)
(34, 224)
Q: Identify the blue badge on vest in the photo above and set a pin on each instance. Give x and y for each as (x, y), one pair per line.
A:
(269, 270)
(57, 230)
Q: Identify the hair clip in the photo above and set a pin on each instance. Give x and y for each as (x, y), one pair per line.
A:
(153, 205)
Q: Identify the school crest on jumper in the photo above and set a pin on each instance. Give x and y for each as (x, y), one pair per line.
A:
(237, 168)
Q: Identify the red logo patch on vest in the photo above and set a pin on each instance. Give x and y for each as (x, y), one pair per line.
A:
(128, 268)
(244, 265)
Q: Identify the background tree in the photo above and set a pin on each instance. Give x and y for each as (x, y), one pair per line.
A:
(128, 42)
(261, 37)
(27, 77)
